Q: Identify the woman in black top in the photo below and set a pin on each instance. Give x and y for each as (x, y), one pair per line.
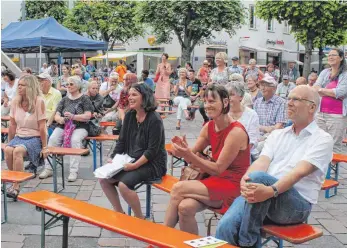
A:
(142, 138)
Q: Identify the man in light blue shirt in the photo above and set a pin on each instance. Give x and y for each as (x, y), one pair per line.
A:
(147, 80)
(235, 68)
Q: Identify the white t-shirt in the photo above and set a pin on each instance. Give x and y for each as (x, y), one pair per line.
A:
(247, 100)
(115, 94)
(250, 121)
(285, 149)
(284, 90)
(11, 91)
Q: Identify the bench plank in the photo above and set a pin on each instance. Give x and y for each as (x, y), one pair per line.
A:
(5, 118)
(103, 137)
(67, 151)
(339, 158)
(329, 183)
(296, 234)
(107, 124)
(139, 229)
(4, 130)
(15, 176)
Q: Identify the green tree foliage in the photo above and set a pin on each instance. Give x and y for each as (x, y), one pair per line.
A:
(310, 19)
(41, 9)
(193, 22)
(110, 21)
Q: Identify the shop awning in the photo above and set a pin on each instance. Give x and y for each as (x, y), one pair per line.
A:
(257, 49)
(112, 55)
(281, 49)
(95, 58)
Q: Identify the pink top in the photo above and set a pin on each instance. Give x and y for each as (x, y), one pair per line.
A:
(28, 123)
(204, 74)
(329, 104)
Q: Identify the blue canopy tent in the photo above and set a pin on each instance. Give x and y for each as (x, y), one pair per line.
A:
(45, 35)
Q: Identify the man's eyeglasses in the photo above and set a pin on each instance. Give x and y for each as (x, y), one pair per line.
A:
(297, 99)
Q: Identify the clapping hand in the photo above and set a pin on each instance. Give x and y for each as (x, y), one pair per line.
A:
(68, 115)
(180, 146)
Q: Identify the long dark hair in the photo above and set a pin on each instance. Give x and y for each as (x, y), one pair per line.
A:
(343, 66)
(149, 103)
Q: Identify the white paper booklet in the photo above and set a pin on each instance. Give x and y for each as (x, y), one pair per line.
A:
(111, 169)
(206, 242)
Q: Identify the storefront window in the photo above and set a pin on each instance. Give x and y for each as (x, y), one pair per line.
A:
(286, 27)
(270, 25)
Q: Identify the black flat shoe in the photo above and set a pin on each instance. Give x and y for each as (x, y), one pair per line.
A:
(178, 128)
(12, 193)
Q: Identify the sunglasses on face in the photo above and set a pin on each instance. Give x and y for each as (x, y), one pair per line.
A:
(74, 67)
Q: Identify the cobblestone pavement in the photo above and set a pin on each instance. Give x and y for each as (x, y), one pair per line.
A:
(23, 227)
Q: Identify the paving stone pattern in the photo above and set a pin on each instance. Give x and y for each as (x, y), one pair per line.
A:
(23, 227)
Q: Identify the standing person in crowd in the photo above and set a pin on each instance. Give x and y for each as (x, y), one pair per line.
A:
(312, 78)
(75, 107)
(253, 87)
(53, 69)
(147, 80)
(83, 75)
(300, 81)
(27, 132)
(220, 74)
(332, 87)
(44, 68)
(182, 91)
(203, 73)
(197, 92)
(243, 114)
(230, 160)
(162, 89)
(121, 69)
(270, 109)
(284, 88)
(270, 70)
(284, 183)
(253, 70)
(142, 138)
(62, 82)
(51, 96)
(10, 89)
(292, 72)
(96, 99)
(90, 68)
(235, 67)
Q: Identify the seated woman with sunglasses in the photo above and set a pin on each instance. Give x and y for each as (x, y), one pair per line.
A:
(78, 108)
(143, 139)
(230, 160)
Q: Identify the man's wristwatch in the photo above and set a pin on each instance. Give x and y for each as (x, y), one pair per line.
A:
(275, 190)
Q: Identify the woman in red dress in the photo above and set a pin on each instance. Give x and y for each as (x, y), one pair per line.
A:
(231, 158)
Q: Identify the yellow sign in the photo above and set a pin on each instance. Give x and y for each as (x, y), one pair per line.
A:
(15, 59)
(151, 40)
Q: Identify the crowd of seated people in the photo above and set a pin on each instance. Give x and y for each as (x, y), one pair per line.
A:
(283, 125)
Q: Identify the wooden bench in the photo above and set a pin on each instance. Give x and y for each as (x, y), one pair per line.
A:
(295, 234)
(107, 124)
(66, 208)
(334, 166)
(54, 153)
(173, 159)
(8, 176)
(97, 145)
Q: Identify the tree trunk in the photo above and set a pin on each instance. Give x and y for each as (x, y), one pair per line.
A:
(320, 63)
(308, 54)
(186, 53)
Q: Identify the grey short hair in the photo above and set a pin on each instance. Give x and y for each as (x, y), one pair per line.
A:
(78, 81)
(236, 86)
(252, 61)
(182, 69)
(236, 77)
(252, 76)
(114, 75)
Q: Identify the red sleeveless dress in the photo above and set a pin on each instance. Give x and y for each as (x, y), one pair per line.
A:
(226, 186)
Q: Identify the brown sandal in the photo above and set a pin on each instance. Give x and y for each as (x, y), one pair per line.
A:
(12, 193)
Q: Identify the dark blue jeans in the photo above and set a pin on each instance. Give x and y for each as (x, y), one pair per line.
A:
(240, 225)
